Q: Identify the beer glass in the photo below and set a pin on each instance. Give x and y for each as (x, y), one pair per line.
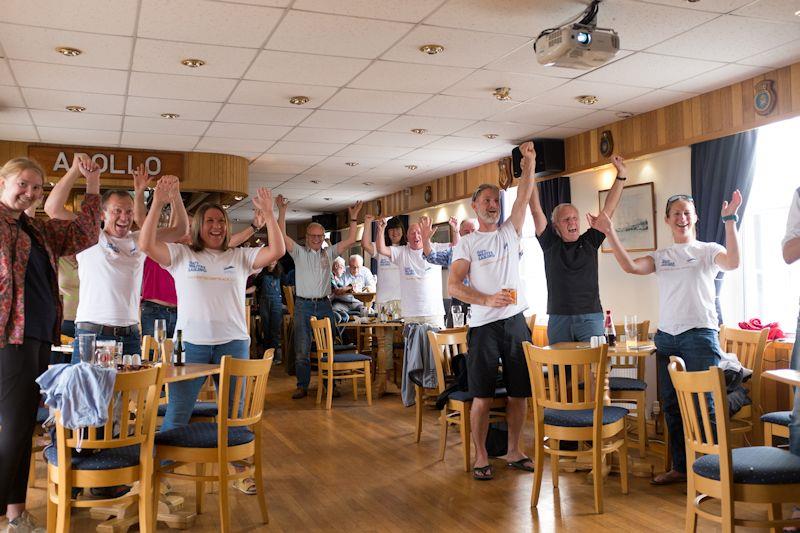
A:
(631, 332)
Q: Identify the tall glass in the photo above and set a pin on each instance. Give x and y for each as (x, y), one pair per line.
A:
(458, 320)
(160, 333)
(631, 332)
(86, 347)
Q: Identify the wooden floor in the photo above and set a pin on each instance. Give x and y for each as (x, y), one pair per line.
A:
(357, 468)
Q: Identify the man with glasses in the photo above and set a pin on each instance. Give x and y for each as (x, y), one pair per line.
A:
(312, 285)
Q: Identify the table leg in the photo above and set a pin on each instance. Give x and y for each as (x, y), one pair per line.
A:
(384, 357)
(125, 515)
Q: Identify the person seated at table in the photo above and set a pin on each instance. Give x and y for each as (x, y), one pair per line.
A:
(342, 299)
(358, 275)
(388, 282)
(688, 324)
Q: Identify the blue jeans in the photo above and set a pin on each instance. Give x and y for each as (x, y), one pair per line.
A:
(303, 311)
(699, 348)
(271, 311)
(574, 328)
(152, 311)
(131, 344)
(183, 394)
(794, 424)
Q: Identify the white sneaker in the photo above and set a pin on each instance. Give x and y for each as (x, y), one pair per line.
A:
(25, 523)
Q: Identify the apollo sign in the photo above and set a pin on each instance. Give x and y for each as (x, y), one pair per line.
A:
(117, 164)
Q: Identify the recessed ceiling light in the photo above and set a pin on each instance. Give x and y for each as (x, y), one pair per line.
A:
(412, 167)
(431, 49)
(236, 220)
(352, 163)
(502, 93)
(491, 135)
(76, 108)
(237, 197)
(169, 115)
(587, 99)
(68, 51)
(50, 183)
(315, 182)
(327, 199)
(624, 114)
(225, 206)
(368, 183)
(299, 100)
(797, 13)
(419, 131)
(193, 63)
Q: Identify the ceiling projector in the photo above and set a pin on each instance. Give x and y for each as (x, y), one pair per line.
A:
(579, 44)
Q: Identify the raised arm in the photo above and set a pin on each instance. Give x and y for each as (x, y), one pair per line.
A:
(455, 286)
(149, 242)
(241, 236)
(141, 178)
(54, 206)
(351, 239)
(791, 250)
(180, 218)
(277, 247)
(380, 244)
(426, 230)
(641, 266)
(526, 183)
(539, 218)
(366, 235)
(454, 236)
(729, 259)
(612, 200)
(283, 203)
(68, 237)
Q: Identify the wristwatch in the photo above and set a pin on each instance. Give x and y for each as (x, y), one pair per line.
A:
(733, 217)
(622, 178)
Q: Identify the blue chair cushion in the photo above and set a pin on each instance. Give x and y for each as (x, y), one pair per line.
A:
(466, 396)
(200, 409)
(202, 435)
(347, 357)
(107, 459)
(42, 414)
(582, 418)
(617, 383)
(758, 465)
(344, 347)
(782, 418)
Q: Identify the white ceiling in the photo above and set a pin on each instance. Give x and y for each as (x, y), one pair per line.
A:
(358, 61)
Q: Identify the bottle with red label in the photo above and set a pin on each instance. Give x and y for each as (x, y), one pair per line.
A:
(610, 332)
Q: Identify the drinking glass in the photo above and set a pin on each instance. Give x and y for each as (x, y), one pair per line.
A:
(86, 346)
(160, 333)
(631, 332)
(512, 293)
(458, 320)
(104, 353)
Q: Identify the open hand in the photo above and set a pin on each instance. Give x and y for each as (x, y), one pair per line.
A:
(619, 164)
(730, 208)
(140, 178)
(281, 202)
(258, 219)
(426, 228)
(353, 210)
(453, 222)
(263, 200)
(601, 222)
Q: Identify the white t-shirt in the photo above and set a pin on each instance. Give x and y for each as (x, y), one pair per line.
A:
(110, 273)
(793, 221)
(210, 286)
(388, 280)
(493, 264)
(420, 282)
(686, 289)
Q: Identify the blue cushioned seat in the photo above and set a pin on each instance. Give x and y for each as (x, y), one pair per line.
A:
(466, 396)
(782, 418)
(344, 347)
(617, 383)
(42, 414)
(347, 357)
(758, 465)
(582, 418)
(202, 435)
(98, 459)
(200, 409)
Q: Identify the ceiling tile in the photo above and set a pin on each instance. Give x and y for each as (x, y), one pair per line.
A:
(220, 144)
(323, 135)
(337, 165)
(278, 163)
(504, 130)
(503, 148)
(482, 83)
(726, 75)
(187, 109)
(540, 114)
(458, 107)
(651, 100)
(559, 132)
(371, 151)
(714, 6)
(163, 125)
(10, 97)
(166, 56)
(65, 119)
(210, 22)
(445, 156)
(278, 94)
(524, 61)
(5, 74)
(268, 3)
(300, 148)
(247, 131)
(347, 120)
(17, 132)
(405, 11)
(464, 144)
(459, 47)
(91, 80)
(38, 44)
(385, 138)
(252, 114)
(159, 142)
(413, 77)
(651, 70)
(335, 35)
(81, 136)
(607, 94)
(777, 57)
(104, 104)
(374, 101)
(593, 120)
(291, 67)
(179, 87)
(397, 169)
(434, 125)
(728, 38)
(778, 10)
(14, 115)
(114, 17)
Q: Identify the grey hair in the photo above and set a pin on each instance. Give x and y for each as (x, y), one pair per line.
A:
(556, 209)
(339, 260)
(482, 187)
(315, 225)
(358, 259)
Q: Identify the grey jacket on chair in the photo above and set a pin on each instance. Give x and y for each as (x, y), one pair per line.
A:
(416, 355)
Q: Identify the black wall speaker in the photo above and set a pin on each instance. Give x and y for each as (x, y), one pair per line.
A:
(549, 157)
(328, 221)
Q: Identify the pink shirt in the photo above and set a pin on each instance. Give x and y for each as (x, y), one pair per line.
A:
(157, 283)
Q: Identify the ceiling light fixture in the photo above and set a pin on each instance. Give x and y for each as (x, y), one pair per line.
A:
(491, 135)
(431, 49)
(412, 167)
(419, 131)
(50, 183)
(225, 206)
(624, 114)
(76, 108)
(502, 93)
(299, 100)
(68, 51)
(238, 197)
(797, 13)
(169, 115)
(352, 163)
(327, 199)
(587, 99)
(368, 183)
(193, 63)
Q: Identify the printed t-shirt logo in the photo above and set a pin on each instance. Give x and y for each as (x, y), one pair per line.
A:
(229, 267)
(409, 271)
(667, 263)
(195, 266)
(111, 246)
(485, 254)
(691, 259)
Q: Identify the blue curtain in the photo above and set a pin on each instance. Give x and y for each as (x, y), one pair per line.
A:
(719, 167)
(553, 192)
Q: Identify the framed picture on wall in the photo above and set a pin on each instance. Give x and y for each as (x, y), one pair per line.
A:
(441, 233)
(635, 218)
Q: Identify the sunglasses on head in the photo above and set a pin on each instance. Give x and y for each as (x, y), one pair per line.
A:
(676, 197)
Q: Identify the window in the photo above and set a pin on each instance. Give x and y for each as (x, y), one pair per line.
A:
(764, 286)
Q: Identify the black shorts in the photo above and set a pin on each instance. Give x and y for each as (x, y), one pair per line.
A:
(492, 343)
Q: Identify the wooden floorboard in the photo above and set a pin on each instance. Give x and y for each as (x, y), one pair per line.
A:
(357, 468)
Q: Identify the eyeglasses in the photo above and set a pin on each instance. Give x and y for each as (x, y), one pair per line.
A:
(676, 197)
(313, 236)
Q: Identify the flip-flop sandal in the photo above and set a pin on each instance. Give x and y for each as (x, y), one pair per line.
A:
(520, 464)
(246, 485)
(482, 473)
(668, 478)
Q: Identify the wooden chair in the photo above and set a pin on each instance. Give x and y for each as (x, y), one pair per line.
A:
(338, 365)
(776, 424)
(569, 406)
(446, 344)
(124, 456)
(749, 348)
(532, 325)
(630, 390)
(236, 436)
(758, 474)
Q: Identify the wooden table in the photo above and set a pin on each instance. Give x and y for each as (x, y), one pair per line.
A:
(385, 349)
(784, 375)
(189, 371)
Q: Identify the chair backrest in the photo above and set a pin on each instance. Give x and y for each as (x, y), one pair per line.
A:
(642, 329)
(532, 325)
(445, 344)
(749, 346)
(289, 295)
(150, 349)
(694, 389)
(323, 338)
(244, 381)
(631, 362)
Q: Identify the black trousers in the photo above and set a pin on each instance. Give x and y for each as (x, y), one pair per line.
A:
(20, 365)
